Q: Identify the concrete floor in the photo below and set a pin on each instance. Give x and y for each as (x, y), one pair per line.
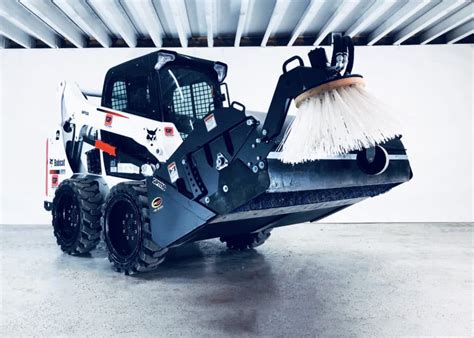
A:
(309, 279)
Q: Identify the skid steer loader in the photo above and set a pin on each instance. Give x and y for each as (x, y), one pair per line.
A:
(167, 158)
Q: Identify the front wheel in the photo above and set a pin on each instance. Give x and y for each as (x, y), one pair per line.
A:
(127, 230)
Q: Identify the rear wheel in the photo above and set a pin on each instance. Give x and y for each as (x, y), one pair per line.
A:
(246, 241)
(127, 230)
(76, 214)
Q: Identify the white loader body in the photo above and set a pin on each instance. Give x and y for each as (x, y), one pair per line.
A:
(160, 138)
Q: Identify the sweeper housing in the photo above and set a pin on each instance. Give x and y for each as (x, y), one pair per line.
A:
(167, 158)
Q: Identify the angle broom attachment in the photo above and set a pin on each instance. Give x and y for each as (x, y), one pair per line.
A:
(338, 115)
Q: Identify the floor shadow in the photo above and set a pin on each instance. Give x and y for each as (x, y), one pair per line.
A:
(245, 282)
(232, 285)
(205, 258)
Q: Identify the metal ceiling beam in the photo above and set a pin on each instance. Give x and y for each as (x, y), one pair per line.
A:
(210, 7)
(51, 14)
(244, 8)
(15, 34)
(453, 21)
(147, 13)
(76, 20)
(460, 33)
(114, 16)
(306, 19)
(433, 15)
(407, 11)
(339, 15)
(80, 12)
(180, 17)
(277, 15)
(23, 19)
(375, 11)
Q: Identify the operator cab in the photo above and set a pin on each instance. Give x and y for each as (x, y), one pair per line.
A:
(166, 86)
(163, 86)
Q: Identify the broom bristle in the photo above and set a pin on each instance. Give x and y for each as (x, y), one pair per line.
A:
(336, 122)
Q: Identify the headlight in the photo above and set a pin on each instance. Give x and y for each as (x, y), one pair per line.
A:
(163, 58)
(147, 170)
(221, 70)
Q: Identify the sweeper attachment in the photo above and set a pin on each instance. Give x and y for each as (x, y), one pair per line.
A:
(167, 159)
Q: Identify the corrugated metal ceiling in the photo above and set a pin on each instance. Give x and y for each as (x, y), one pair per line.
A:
(208, 23)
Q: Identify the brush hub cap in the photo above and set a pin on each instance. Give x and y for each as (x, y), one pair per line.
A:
(331, 85)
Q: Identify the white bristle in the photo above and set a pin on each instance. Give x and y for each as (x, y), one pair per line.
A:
(336, 122)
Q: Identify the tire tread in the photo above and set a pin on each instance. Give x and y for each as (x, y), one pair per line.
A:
(90, 201)
(149, 255)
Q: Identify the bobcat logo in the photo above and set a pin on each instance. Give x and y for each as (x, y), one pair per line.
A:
(151, 135)
(57, 163)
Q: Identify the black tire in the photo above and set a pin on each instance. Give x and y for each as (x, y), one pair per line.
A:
(76, 214)
(127, 230)
(246, 241)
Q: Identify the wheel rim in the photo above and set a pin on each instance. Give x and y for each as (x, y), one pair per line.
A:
(123, 228)
(67, 217)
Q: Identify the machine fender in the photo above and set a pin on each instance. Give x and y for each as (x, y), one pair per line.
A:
(173, 217)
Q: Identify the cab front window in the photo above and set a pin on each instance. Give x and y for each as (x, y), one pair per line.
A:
(187, 95)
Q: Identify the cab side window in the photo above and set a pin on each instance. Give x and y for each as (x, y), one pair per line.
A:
(131, 95)
(119, 99)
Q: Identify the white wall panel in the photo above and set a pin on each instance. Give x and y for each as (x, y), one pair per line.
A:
(430, 87)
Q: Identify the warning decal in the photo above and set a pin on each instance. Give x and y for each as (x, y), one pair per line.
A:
(108, 120)
(169, 131)
(210, 122)
(173, 172)
(54, 181)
